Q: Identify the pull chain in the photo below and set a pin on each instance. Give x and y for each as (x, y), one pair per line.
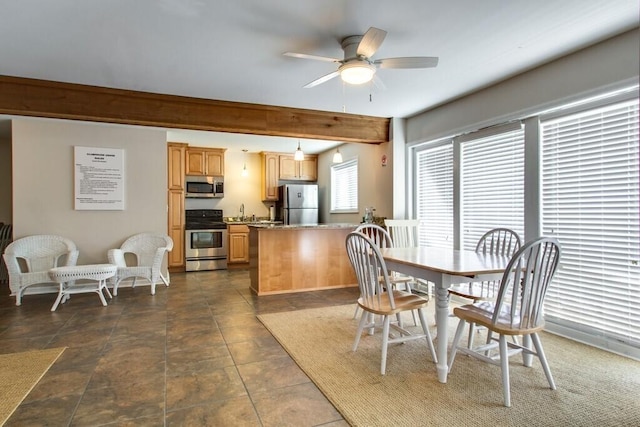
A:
(344, 104)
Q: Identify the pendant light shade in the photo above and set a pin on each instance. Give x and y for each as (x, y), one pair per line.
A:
(299, 155)
(337, 156)
(245, 172)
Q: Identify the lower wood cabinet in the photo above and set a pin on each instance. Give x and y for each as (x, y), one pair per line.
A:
(286, 259)
(176, 228)
(238, 243)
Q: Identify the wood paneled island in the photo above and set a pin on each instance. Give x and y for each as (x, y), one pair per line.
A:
(290, 258)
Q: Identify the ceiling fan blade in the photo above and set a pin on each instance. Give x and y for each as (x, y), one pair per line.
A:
(322, 79)
(408, 62)
(305, 56)
(371, 41)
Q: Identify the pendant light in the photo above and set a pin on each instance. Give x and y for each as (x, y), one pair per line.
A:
(337, 156)
(245, 172)
(298, 155)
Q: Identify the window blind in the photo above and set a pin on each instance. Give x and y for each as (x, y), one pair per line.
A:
(492, 185)
(590, 202)
(434, 195)
(344, 186)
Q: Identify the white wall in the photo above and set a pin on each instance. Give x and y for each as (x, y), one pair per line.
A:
(375, 182)
(238, 189)
(400, 177)
(43, 155)
(603, 65)
(43, 181)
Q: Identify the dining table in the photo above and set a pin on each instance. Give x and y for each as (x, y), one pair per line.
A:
(444, 267)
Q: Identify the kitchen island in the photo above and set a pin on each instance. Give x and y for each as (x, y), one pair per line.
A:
(299, 258)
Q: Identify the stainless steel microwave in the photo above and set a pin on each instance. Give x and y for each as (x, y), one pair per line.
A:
(204, 186)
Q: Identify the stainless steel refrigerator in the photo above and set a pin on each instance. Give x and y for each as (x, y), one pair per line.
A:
(298, 204)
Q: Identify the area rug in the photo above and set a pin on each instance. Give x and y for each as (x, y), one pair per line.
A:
(19, 373)
(594, 387)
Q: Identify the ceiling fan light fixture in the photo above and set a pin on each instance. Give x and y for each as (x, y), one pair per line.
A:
(356, 73)
(298, 155)
(358, 67)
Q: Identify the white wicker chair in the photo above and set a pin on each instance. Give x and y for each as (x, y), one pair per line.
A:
(149, 250)
(30, 258)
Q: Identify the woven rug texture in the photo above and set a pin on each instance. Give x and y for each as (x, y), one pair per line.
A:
(594, 387)
(19, 373)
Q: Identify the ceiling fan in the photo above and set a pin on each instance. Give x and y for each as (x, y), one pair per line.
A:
(358, 67)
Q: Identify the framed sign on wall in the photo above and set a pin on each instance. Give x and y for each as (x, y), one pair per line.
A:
(98, 178)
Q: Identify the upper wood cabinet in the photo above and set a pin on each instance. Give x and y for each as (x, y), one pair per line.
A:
(176, 166)
(270, 175)
(279, 166)
(292, 170)
(205, 161)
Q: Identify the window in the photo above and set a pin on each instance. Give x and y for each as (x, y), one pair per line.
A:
(434, 195)
(581, 163)
(590, 202)
(344, 187)
(492, 184)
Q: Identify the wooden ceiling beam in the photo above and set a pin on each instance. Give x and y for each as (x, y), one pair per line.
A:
(42, 98)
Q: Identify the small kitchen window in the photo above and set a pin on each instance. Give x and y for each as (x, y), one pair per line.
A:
(344, 187)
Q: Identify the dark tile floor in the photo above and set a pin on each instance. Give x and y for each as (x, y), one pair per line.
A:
(192, 355)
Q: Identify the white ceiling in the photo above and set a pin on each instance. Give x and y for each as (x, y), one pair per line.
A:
(232, 50)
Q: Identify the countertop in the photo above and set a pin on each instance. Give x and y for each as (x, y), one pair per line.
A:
(249, 222)
(280, 226)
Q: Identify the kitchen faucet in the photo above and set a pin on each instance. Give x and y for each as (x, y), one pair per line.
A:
(242, 212)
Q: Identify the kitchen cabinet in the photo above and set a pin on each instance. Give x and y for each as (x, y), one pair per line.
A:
(238, 243)
(205, 161)
(176, 228)
(176, 166)
(292, 170)
(284, 259)
(280, 166)
(270, 175)
(175, 203)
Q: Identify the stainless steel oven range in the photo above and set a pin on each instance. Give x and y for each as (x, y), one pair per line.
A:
(205, 240)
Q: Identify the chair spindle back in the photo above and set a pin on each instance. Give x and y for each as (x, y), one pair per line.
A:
(525, 282)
